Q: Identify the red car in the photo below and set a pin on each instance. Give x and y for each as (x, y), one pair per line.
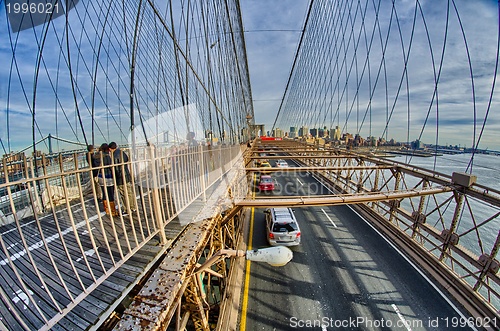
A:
(266, 183)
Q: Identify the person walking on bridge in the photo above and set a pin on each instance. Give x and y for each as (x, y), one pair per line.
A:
(123, 178)
(94, 162)
(105, 178)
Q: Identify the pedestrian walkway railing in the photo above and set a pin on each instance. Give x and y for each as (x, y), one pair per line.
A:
(59, 241)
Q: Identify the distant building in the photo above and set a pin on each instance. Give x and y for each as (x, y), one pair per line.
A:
(326, 133)
(278, 133)
(336, 135)
(358, 140)
(257, 130)
(417, 144)
(372, 141)
(348, 139)
(14, 162)
(314, 132)
(303, 131)
(293, 132)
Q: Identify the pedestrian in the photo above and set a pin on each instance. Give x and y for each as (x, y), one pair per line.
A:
(105, 178)
(94, 162)
(123, 178)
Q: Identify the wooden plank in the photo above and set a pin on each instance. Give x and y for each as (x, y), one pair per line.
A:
(25, 308)
(87, 312)
(8, 319)
(69, 324)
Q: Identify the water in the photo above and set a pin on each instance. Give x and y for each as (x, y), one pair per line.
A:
(474, 211)
(485, 167)
(479, 223)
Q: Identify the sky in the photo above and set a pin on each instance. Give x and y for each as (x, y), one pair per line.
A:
(272, 32)
(271, 53)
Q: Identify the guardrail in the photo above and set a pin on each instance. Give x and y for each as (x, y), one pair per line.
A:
(454, 234)
(58, 243)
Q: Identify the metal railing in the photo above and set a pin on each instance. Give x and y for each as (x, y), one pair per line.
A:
(58, 243)
(456, 229)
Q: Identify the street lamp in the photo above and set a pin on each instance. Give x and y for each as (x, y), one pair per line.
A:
(276, 256)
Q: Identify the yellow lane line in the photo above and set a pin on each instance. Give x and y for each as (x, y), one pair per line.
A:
(243, 320)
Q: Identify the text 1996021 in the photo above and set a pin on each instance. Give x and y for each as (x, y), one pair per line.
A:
(41, 7)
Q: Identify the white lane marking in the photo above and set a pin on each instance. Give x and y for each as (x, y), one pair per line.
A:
(40, 243)
(401, 317)
(324, 212)
(31, 222)
(300, 182)
(22, 296)
(90, 252)
(452, 305)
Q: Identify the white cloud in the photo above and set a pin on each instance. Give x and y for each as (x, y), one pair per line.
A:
(272, 35)
(271, 57)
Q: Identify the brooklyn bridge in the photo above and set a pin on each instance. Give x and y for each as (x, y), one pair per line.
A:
(145, 175)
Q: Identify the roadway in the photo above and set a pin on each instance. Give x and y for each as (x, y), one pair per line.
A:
(342, 276)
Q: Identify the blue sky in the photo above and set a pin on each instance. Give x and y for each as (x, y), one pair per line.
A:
(271, 53)
(272, 35)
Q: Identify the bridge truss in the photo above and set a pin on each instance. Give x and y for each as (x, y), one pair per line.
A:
(169, 82)
(447, 224)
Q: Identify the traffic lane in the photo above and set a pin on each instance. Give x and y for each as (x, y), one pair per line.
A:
(372, 270)
(373, 282)
(345, 273)
(277, 294)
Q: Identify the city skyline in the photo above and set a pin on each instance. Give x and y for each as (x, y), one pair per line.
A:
(272, 34)
(463, 108)
(335, 134)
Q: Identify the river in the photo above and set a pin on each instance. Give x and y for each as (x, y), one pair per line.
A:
(485, 167)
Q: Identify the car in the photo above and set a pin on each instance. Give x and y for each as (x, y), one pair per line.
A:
(281, 164)
(266, 183)
(281, 227)
(265, 164)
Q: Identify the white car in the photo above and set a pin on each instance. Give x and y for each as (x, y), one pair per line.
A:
(282, 227)
(281, 164)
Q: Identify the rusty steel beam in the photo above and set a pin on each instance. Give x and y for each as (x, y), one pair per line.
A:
(302, 169)
(341, 199)
(155, 305)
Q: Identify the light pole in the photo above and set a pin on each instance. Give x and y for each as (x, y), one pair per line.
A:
(276, 256)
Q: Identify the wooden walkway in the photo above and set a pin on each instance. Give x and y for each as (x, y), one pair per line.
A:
(72, 273)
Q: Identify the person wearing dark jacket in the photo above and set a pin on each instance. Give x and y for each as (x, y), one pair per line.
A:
(123, 178)
(105, 178)
(94, 163)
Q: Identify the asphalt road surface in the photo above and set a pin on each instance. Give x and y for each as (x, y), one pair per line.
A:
(343, 276)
